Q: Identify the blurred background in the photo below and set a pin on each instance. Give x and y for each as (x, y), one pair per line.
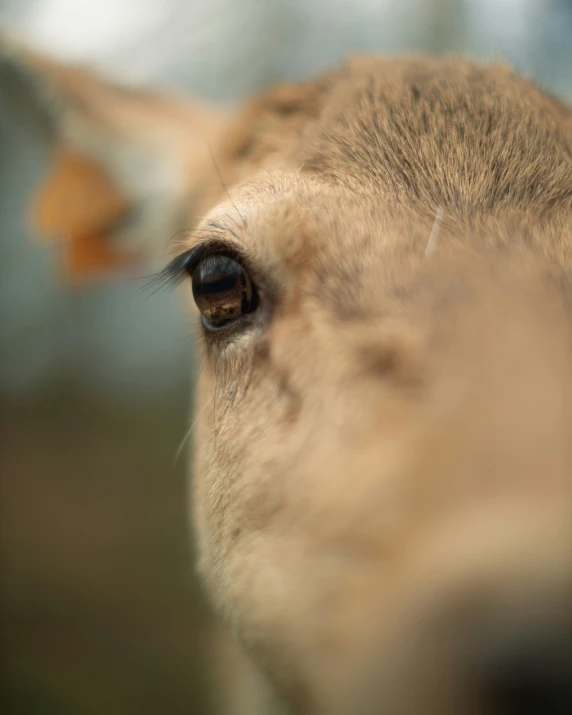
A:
(100, 610)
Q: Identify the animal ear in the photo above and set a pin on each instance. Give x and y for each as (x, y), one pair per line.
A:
(127, 165)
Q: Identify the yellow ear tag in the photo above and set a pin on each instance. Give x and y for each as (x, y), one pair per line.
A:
(78, 205)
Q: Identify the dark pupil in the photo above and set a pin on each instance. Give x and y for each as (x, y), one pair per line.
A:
(222, 290)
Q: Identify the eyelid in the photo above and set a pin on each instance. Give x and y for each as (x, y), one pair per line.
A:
(185, 263)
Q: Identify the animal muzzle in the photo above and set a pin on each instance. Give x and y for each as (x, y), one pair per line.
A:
(482, 623)
(527, 672)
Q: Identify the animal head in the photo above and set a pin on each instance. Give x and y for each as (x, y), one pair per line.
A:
(379, 263)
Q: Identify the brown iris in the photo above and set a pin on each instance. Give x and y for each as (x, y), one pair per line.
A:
(222, 291)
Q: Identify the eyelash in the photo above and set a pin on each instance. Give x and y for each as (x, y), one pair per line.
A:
(183, 265)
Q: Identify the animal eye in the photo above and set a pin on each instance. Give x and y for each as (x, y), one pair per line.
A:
(223, 291)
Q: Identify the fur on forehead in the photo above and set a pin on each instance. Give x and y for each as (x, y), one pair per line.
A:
(427, 130)
(471, 136)
(293, 223)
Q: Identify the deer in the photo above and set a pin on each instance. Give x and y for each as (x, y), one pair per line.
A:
(379, 265)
